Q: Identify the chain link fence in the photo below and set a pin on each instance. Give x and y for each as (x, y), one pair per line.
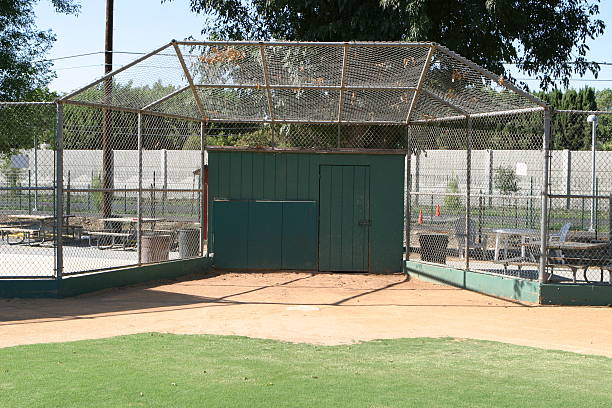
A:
(28, 227)
(489, 172)
(495, 182)
(131, 192)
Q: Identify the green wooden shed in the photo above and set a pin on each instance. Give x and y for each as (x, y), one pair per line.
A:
(321, 211)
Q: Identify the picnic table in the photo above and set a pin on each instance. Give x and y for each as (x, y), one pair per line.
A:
(579, 258)
(31, 235)
(123, 235)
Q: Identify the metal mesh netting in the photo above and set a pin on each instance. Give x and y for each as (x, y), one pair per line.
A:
(352, 83)
(581, 194)
(475, 192)
(27, 189)
(105, 191)
(133, 162)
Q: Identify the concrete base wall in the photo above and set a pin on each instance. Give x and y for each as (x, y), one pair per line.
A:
(494, 285)
(76, 285)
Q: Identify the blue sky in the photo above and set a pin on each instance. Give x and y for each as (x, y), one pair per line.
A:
(143, 25)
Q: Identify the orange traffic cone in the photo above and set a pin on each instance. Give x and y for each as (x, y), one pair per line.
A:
(438, 210)
(420, 219)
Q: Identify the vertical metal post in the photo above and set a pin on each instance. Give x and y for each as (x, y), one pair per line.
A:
(139, 197)
(407, 208)
(490, 172)
(59, 190)
(417, 176)
(468, 182)
(610, 218)
(203, 195)
(593, 120)
(567, 171)
(345, 48)
(266, 72)
(35, 173)
(542, 277)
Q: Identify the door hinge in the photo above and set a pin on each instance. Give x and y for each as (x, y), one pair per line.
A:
(364, 222)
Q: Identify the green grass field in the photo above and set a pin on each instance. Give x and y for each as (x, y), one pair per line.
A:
(155, 370)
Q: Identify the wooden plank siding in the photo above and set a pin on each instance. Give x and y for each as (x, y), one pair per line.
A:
(285, 176)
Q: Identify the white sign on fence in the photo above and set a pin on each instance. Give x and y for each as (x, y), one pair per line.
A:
(521, 169)
(20, 161)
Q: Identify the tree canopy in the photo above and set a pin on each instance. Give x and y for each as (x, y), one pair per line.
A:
(23, 46)
(546, 39)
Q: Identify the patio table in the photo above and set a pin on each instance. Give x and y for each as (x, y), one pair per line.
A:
(502, 234)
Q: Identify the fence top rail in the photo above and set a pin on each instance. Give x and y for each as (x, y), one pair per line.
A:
(24, 103)
(585, 112)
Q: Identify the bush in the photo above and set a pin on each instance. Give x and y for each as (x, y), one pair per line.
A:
(452, 202)
(506, 180)
(96, 196)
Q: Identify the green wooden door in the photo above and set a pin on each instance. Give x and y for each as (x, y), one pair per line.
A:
(344, 218)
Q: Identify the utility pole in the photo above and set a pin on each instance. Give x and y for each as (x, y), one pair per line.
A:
(107, 134)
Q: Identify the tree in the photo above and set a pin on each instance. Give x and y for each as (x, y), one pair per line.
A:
(571, 131)
(24, 126)
(604, 126)
(22, 46)
(546, 39)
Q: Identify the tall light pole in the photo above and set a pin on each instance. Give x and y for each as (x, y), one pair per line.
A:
(592, 119)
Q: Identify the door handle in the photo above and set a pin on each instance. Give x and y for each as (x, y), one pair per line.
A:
(364, 222)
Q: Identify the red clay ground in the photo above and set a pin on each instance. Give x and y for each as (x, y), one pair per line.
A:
(302, 307)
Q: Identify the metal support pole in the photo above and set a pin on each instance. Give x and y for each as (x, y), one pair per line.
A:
(417, 175)
(59, 190)
(36, 173)
(490, 172)
(203, 195)
(593, 177)
(139, 197)
(468, 182)
(542, 276)
(567, 171)
(407, 208)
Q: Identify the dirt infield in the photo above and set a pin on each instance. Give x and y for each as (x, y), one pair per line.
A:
(303, 307)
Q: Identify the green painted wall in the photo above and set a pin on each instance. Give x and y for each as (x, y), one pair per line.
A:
(506, 287)
(79, 284)
(285, 176)
(576, 295)
(257, 234)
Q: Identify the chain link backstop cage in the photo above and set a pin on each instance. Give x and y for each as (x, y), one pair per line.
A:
(114, 174)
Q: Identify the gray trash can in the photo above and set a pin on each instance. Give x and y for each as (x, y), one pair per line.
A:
(189, 243)
(155, 248)
(433, 247)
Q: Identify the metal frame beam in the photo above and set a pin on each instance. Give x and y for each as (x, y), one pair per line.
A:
(132, 110)
(310, 43)
(479, 115)
(421, 81)
(315, 87)
(446, 103)
(345, 48)
(179, 55)
(165, 98)
(264, 63)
